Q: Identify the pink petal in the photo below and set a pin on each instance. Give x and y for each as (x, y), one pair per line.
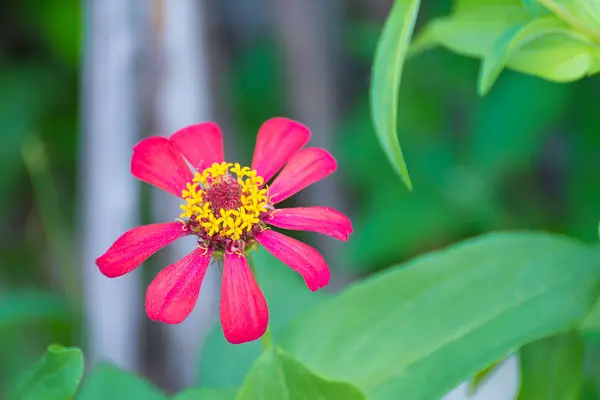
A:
(298, 256)
(244, 312)
(323, 220)
(136, 245)
(157, 161)
(173, 293)
(306, 167)
(278, 139)
(201, 144)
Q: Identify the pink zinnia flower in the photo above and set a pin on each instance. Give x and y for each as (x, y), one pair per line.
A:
(227, 207)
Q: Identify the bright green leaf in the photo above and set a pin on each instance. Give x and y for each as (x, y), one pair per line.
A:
(206, 394)
(387, 72)
(474, 26)
(277, 376)
(287, 296)
(583, 15)
(552, 368)
(418, 330)
(555, 57)
(517, 36)
(55, 376)
(109, 382)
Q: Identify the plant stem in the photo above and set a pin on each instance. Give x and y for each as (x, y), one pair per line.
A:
(265, 340)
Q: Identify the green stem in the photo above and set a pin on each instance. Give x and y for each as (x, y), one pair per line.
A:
(47, 198)
(265, 340)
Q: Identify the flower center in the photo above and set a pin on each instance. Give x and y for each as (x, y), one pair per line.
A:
(224, 202)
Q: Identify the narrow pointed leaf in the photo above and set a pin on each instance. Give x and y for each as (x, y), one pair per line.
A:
(387, 72)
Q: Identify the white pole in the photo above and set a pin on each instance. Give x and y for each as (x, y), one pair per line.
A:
(184, 98)
(108, 193)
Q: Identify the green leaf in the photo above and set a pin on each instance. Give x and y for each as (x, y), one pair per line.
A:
(287, 296)
(206, 394)
(583, 15)
(535, 8)
(589, 390)
(419, 329)
(21, 306)
(474, 26)
(555, 57)
(276, 376)
(109, 382)
(590, 327)
(387, 72)
(552, 368)
(517, 36)
(55, 376)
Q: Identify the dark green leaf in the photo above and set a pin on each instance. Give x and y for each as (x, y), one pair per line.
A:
(109, 382)
(277, 376)
(418, 330)
(552, 368)
(286, 295)
(590, 327)
(589, 390)
(387, 72)
(206, 394)
(56, 376)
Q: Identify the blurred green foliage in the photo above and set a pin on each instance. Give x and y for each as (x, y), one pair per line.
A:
(525, 156)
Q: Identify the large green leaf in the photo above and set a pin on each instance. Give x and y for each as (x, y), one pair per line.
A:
(206, 394)
(277, 376)
(286, 295)
(109, 382)
(56, 376)
(519, 35)
(419, 329)
(387, 72)
(552, 368)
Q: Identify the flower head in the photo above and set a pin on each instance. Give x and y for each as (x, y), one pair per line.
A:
(229, 208)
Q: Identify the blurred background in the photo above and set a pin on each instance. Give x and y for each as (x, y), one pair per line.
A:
(82, 81)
